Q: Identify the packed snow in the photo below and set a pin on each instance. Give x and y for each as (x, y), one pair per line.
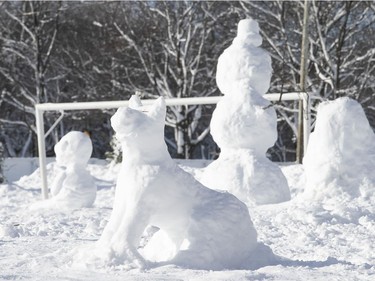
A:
(244, 125)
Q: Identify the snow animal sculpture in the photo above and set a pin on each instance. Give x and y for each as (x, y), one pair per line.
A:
(244, 125)
(340, 159)
(73, 186)
(209, 229)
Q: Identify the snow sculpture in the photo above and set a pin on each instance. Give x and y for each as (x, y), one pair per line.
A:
(243, 124)
(340, 158)
(73, 187)
(207, 229)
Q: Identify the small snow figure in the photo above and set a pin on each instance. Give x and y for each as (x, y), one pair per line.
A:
(208, 229)
(73, 187)
(243, 124)
(340, 158)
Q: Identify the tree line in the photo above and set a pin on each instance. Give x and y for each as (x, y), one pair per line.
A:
(64, 51)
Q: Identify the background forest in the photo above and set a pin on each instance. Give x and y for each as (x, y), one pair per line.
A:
(75, 51)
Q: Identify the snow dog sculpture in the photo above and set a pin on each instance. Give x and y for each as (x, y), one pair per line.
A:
(208, 229)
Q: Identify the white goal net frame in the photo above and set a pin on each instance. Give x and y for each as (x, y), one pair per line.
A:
(41, 108)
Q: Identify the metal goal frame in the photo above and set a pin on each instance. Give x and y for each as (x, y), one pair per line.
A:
(42, 107)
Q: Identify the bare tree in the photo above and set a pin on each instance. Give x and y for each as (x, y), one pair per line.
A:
(28, 37)
(341, 60)
(88, 50)
(1, 160)
(175, 53)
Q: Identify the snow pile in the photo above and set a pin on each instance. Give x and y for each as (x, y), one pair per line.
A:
(8, 231)
(181, 221)
(244, 125)
(340, 158)
(73, 187)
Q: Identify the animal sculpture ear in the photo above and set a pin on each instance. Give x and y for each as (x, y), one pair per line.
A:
(158, 109)
(135, 102)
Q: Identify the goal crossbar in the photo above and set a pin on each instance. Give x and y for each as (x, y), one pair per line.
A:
(42, 107)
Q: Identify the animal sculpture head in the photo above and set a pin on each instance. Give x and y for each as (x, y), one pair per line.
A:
(75, 148)
(138, 125)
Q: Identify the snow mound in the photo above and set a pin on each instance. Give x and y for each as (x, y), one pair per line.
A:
(197, 227)
(73, 187)
(340, 158)
(244, 125)
(8, 231)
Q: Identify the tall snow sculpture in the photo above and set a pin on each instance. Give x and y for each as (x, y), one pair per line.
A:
(73, 187)
(340, 158)
(207, 229)
(243, 124)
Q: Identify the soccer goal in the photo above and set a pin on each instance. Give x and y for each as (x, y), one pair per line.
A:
(41, 108)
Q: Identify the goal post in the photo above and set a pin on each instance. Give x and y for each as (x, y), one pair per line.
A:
(42, 107)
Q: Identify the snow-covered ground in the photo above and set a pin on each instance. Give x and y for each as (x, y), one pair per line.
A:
(313, 243)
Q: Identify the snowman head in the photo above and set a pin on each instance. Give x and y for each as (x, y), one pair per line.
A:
(75, 148)
(248, 33)
(244, 65)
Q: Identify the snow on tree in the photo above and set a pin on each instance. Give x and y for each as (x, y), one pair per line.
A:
(175, 56)
(28, 37)
(109, 50)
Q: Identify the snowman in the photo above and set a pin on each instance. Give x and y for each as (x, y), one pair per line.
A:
(244, 125)
(73, 186)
